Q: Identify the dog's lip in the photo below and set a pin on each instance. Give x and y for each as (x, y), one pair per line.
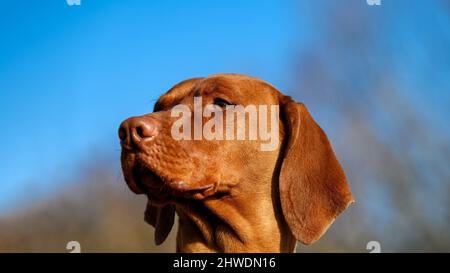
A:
(160, 189)
(183, 186)
(180, 186)
(140, 173)
(156, 196)
(133, 184)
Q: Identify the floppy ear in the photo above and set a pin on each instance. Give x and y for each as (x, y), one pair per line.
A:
(161, 218)
(313, 186)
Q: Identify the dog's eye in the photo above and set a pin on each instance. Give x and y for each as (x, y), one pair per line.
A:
(221, 102)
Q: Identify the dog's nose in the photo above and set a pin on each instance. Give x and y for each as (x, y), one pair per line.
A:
(137, 129)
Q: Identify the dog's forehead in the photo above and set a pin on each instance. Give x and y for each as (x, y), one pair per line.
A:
(176, 94)
(240, 89)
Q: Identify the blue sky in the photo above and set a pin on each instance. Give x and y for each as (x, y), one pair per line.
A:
(70, 74)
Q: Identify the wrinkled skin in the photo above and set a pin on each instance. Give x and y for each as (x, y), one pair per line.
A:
(224, 192)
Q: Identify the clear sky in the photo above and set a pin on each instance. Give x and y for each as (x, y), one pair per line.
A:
(70, 74)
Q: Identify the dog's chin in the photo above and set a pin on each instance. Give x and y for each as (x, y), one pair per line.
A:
(141, 179)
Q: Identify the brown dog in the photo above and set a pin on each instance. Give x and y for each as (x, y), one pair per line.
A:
(229, 195)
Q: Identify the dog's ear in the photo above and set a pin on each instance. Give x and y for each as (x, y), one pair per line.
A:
(313, 186)
(161, 218)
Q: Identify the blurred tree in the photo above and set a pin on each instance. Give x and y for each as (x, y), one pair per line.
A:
(356, 78)
(375, 78)
(96, 209)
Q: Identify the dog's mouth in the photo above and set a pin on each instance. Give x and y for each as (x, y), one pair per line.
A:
(161, 190)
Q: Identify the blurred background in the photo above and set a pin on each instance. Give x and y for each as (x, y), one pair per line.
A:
(376, 78)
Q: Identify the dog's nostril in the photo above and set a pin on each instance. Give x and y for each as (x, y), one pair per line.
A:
(122, 134)
(140, 131)
(137, 129)
(143, 129)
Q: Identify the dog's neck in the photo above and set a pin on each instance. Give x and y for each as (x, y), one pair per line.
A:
(232, 224)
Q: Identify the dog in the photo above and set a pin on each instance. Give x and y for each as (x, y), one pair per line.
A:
(229, 195)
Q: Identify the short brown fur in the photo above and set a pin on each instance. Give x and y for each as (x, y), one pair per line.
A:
(237, 198)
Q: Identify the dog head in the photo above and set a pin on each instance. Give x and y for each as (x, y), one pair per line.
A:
(169, 156)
